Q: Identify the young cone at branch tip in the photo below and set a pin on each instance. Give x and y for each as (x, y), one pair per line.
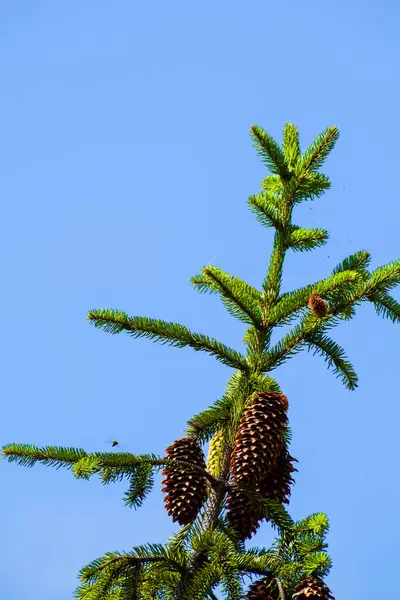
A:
(261, 589)
(318, 306)
(185, 491)
(312, 588)
(259, 439)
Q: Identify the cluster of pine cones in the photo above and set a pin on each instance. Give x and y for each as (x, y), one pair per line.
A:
(260, 469)
(260, 462)
(310, 588)
(260, 465)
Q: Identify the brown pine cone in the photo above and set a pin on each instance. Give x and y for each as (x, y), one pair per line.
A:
(314, 588)
(185, 490)
(259, 439)
(243, 514)
(260, 589)
(318, 305)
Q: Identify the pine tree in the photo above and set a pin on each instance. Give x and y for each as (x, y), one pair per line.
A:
(247, 477)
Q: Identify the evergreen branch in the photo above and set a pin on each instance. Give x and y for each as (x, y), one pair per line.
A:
(222, 551)
(317, 563)
(102, 576)
(378, 282)
(386, 306)
(291, 145)
(385, 278)
(263, 383)
(206, 423)
(309, 544)
(315, 156)
(230, 580)
(292, 343)
(241, 299)
(141, 483)
(335, 357)
(147, 553)
(90, 572)
(291, 302)
(256, 339)
(207, 542)
(102, 588)
(127, 460)
(306, 186)
(317, 524)
(203, 581)
(258, 561)
(276, 512)
(311, 330)
(269, 151)
(230, 532)
(359, 261)
(26, 455)
(173, 334)
(273, 185)
(122, 572)
(273, 280)
(266, 210)
(182, 537)
(301, 239)
(86, 467)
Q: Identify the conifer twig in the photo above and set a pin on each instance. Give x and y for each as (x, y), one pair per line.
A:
(173, 334)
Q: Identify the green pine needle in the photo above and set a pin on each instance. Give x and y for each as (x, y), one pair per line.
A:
(301, 239)
(359, 261)
(335, 357)
(266, 209)
(27, 455)
(241, 299)
(269, 151)
(386, 306)
(291, 145)
(140, 485)
(173, 334)
(315, 156)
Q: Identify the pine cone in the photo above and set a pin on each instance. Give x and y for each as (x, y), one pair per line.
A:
(260, 589)
(243, 514)
(259, 439)
(215, 451)
(277, 484)
(185, 490)
(317, 305)
(312, 587)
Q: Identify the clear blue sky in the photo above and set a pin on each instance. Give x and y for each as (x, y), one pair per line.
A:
(125, 167)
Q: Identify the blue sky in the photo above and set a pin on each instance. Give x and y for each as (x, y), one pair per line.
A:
(126, 166)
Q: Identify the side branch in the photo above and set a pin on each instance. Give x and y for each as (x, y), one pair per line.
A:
(173, 334)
